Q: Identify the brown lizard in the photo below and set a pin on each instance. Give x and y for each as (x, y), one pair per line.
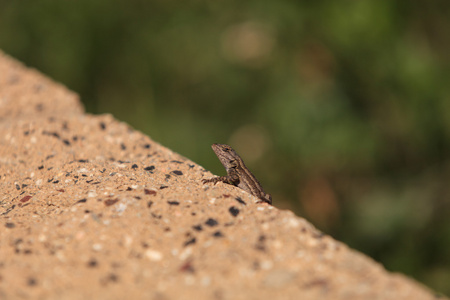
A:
(238, 174)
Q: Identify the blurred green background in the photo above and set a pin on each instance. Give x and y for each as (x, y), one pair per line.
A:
(341, 108)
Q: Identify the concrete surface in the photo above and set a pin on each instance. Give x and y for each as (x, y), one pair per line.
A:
(93, 209)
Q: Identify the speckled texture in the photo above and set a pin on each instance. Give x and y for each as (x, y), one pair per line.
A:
(93, 209)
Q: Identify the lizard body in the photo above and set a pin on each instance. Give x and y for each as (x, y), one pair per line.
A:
(237, 173)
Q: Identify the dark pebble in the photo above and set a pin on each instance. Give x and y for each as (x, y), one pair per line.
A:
(197, 227)
(211, 222)
(233, 211)
(260, 245)
(239, 199)
(54, 134)
(31, 281)
(156, 216)
(25, 199)
(92, 263)
(190, 242)
(113, 277)
(217, 234)
(10, 225)
(110, 202)
(149, 192)
(187, 267)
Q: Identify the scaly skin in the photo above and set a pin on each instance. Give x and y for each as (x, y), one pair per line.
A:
(238, 174)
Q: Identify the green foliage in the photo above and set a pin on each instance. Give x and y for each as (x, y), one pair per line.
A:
(341, 108)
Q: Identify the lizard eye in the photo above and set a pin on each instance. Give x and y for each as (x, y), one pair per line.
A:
(233, 163)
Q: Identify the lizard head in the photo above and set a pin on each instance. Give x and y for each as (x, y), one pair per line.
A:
(227, 156)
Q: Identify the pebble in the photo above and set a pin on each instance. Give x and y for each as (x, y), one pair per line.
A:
(97, 247)
(153, 255)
